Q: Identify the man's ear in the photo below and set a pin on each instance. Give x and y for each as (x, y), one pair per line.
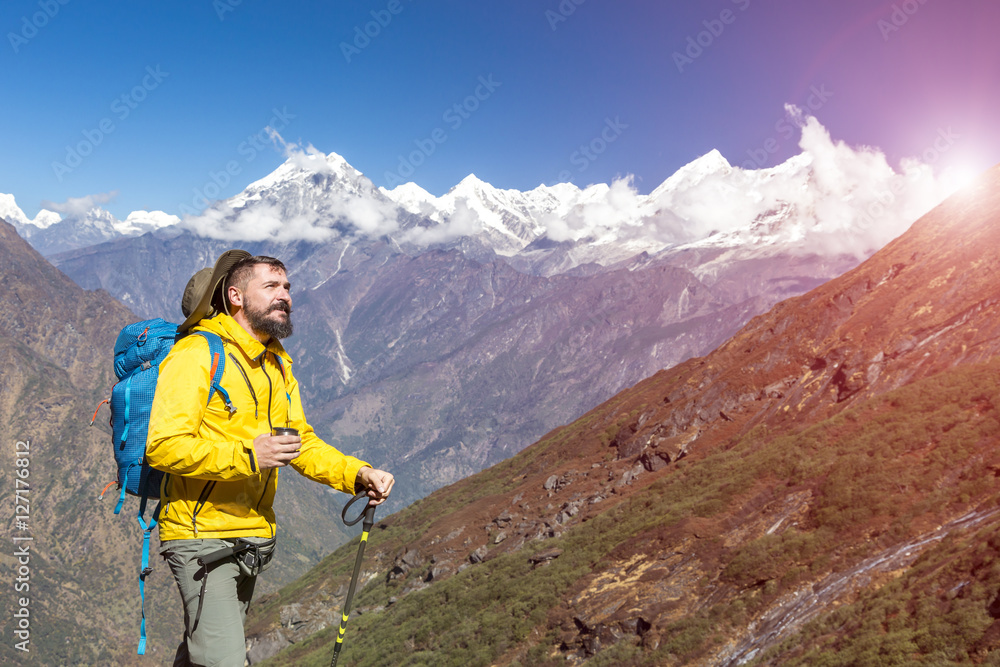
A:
(234, 297)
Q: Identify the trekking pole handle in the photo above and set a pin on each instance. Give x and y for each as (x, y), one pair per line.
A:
(368, 513)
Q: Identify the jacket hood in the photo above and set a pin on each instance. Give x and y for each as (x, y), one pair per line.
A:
(225, 326)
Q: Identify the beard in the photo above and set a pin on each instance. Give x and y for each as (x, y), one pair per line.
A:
(262, 324)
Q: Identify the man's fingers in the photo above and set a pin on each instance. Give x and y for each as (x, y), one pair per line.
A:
(384, 485)
(379, 483)
(276, 451)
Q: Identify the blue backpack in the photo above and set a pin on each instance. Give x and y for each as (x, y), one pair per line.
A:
(139, 350)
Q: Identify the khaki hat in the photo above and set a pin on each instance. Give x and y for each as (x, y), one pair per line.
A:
(196, 304)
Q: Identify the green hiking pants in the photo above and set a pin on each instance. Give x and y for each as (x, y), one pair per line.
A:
(213, 638)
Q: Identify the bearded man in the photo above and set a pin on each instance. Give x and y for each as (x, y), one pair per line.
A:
(217, 442)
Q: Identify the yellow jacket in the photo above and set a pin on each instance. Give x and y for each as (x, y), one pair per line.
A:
(214, 487)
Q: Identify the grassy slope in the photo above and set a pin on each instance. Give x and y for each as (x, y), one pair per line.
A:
(881, 472)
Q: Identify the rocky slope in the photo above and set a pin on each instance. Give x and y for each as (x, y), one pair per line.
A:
(819, 489)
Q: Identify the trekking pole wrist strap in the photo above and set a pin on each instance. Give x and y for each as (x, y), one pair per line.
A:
(367, 512)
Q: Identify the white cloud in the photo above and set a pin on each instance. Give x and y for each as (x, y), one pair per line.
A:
(370, 217)
(608, 211)
(77, 207)
(309, 158)
(463, 222)
(850, 199)
(837, 198)
(260, 222)
(310, 218)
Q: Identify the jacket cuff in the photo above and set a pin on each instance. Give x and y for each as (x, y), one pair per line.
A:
(351, 472)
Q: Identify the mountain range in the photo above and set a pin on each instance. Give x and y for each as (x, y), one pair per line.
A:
(392, 344)
(49, 232)
(820, 489)
(536, 305)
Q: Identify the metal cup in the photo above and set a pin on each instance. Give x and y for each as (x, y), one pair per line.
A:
(282, 430)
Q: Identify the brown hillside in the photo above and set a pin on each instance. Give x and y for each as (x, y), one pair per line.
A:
(56, 344)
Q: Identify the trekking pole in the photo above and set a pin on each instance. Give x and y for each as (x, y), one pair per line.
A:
(369, 516)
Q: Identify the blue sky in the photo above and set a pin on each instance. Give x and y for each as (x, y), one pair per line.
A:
(164, 98)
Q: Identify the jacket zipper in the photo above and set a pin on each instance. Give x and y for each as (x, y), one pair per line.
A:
(165, 493)
(261, 499)
(263, 367)
(202, 499)
(246, 378)
(256, 404)
(270, 388)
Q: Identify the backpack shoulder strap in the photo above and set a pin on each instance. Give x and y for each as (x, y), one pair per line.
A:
(217, 355)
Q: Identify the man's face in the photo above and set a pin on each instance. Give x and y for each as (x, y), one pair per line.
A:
(267, 303)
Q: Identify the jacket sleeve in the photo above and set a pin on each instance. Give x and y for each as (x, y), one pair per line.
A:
(180, 442)
(317, 460)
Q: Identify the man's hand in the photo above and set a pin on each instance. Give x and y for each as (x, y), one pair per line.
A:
(378, 482)
(275, 451)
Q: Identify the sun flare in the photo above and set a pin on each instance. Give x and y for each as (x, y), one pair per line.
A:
(962, 175)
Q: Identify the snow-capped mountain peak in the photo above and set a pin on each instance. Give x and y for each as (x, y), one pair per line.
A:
(711, 163)
(471, 183)
(412, 198)
(140, 222)
(12, 213)
(307, 177)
